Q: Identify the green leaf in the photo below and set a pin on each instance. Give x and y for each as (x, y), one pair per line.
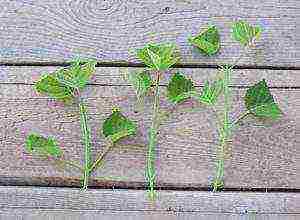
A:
(207, 41)
(260, 102)
(158, 56)
(211, 91)
(245, 33)
(43, 146)
(117, 126)
(179, 88)
(50, 85)
(141, 81)
(62, 84)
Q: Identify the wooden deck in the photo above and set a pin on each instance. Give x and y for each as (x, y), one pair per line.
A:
(262, 170)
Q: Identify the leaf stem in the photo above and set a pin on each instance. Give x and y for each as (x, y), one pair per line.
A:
(99, 159)
(239, 119)
(70, 163)
(86, 137)
(153, 140)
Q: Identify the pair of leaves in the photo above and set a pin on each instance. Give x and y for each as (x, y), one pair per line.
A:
(62, 84)
(158, 56)
(260, 102)
(208, 41)
(115, 127)
(180, 88)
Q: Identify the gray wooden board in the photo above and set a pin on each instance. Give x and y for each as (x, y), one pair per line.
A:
(46, 214)
(59, 30)
(117, 75)
(260, 156)
(172, 202)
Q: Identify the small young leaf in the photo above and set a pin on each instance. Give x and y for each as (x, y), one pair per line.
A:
(63, 82)
(117, 126)
(141, 81)
(158, 56)
(211, 92)
(207, 41)
(42, 146)
(179, 88)
(244, 33)
(260, 102)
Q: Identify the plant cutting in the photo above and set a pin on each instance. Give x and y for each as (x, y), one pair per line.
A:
(258, 100)
(65, 85)
(158, 58)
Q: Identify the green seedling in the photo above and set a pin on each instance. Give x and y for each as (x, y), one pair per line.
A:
(258, 99)
(158, 58)
(66, 85)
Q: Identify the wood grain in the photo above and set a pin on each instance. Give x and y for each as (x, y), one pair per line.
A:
(46, 214)
(57, 31)
(116, 76)
(168, 202)
(261, 156)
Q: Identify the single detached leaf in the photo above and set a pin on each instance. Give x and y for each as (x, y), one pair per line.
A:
(179, 88)
(260, 102)
(43, 146)
(207, 41)
(244, 33)
(62, 83)
(158, 56)
(117, 126)
(141, 81)
(211, 91)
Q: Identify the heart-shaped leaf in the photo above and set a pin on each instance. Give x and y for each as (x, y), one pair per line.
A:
(141, 81)
(245, 33)
(207, 41)
(211, 91)
(260, 102)
(179, 88)
(117, 126)
(62, 84)
(43, 146)
(158, 56)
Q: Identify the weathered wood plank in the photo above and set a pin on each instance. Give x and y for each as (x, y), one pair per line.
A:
(115, 75)
(172, 202)
(261, 156)
(49, 214)
(56, 31)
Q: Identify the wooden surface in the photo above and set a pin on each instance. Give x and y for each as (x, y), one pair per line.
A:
(262, 168)
(261, 156)
(41, 31)
(134, 203)
(34, 214)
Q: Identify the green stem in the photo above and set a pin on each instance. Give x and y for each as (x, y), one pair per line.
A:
(70, 163)
(86, 137)
(153, 140)
(224, 132)
(239, 119)
(99, 159)
(226, 127)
